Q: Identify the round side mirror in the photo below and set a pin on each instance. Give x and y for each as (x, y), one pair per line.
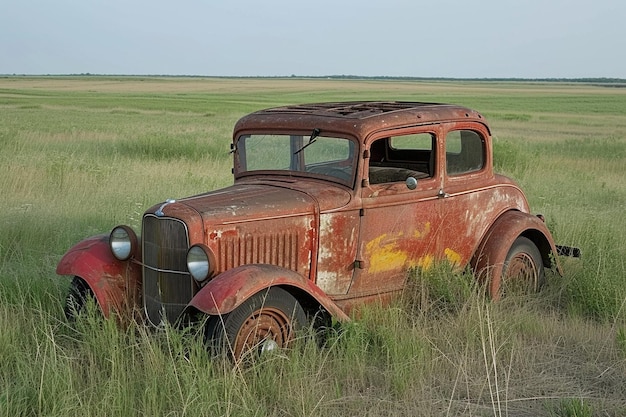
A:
(411, 183)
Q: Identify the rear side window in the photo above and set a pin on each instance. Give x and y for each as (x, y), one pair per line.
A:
(465, 152)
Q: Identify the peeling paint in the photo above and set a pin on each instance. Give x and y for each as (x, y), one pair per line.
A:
(326, 229)
(327, 281)
(337, 251)
(385, 256)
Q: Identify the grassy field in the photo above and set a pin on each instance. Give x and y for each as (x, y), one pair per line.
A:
(81, 155)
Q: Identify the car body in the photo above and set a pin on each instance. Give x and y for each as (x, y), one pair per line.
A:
(332, 204)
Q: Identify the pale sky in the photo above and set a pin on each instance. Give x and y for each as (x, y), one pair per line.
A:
(432, 38)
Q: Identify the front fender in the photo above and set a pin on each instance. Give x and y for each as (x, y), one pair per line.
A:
(488, 259)
(114, 283)
(230, 289)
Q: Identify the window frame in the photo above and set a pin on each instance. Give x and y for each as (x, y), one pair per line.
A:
(465, 158)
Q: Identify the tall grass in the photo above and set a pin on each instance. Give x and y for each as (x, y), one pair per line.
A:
(78, 156)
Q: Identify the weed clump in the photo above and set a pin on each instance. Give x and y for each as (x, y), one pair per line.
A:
(439, 290)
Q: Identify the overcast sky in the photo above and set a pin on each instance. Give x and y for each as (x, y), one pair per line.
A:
(432, 38)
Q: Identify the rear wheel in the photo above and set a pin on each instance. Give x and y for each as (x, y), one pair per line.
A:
(265, 322)
(523, 271)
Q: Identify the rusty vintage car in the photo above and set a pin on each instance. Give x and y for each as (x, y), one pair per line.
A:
(332, 204)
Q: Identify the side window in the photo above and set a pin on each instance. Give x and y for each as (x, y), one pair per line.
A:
(396, 158)
(465, 152)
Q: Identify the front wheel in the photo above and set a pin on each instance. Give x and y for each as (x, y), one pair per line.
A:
(265, 322)
(77, 298)
(523, 271)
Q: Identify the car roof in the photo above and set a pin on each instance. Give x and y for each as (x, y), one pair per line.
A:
(357, 117)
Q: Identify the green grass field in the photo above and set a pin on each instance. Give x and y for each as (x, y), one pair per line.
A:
(81, 155)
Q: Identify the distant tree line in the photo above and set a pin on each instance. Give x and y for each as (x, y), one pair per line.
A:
(604, 81)
(594, 80)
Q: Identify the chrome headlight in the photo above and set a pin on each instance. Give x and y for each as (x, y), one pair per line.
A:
(123, 242)
(200, 262)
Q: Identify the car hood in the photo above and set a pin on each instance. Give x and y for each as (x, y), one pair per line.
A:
(257, 200)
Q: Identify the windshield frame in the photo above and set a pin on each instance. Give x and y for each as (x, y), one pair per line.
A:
(306, 150)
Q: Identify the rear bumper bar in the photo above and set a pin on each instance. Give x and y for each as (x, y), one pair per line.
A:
(568, 251)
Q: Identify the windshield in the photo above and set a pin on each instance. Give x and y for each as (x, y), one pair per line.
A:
(317, 155)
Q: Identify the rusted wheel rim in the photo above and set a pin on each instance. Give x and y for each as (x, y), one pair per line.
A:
(521, 273)
(264, 330)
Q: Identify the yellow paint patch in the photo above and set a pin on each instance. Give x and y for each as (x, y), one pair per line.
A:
(453, 257)
(385, 257)
(375, 243)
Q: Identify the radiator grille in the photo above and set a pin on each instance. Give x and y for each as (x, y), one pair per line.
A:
(168, 287)
(277, 249)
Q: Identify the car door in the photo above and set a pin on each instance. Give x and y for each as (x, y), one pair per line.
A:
(398, 221)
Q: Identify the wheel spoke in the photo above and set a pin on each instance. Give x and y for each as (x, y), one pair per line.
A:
(521, 274)
(266, 330)
(523, 269)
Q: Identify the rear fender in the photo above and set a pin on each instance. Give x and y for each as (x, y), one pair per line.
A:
(488, 259)
(230, 289)
(114, 283)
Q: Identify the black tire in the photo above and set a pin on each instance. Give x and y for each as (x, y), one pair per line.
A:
(77, 298)
(523, 271)
(266, 321)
